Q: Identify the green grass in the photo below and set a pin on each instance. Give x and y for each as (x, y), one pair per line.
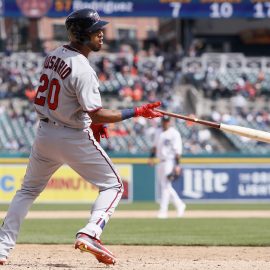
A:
(232, 232)
(149, 206)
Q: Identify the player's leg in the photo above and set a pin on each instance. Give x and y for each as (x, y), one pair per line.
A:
(178, 203)
(100, 171)
(39, 171)
(170, 193)
(35, 181)
(93, 164)
(173, 196)
(164, 190)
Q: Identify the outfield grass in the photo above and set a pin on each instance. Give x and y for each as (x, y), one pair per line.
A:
(235, 232)
(150, 206)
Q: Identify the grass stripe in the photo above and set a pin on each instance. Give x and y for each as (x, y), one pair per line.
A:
(150, 206)
(220, 232)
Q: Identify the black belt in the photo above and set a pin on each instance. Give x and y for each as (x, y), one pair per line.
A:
(46, 120)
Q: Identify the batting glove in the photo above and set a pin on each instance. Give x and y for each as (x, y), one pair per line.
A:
(147, 110)
(99, 130)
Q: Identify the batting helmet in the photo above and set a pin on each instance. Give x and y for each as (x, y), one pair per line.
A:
(83, 22)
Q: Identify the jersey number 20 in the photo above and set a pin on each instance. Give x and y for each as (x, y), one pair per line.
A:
(54, 89)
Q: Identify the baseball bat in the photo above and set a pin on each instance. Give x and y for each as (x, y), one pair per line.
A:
(251, 133)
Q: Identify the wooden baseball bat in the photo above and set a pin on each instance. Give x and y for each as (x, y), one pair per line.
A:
(251, 133)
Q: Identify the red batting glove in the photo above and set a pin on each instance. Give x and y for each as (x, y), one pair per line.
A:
(104, 133)
(99, 130)
(147, 110)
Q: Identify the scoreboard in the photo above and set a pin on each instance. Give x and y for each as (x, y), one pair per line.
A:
(211, 9)
(219, 8)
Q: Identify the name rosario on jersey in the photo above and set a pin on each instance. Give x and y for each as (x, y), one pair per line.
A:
(58, 65)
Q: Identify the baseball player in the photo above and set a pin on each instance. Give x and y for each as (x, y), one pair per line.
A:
(68, 102)
(168, 149)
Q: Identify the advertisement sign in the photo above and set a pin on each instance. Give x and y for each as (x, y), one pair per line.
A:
(214, 182)
(139, 8)
(64, 186)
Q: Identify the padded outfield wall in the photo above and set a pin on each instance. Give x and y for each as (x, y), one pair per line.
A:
(224, 178)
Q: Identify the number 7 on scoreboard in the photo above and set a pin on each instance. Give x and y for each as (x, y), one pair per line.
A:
(176, 7)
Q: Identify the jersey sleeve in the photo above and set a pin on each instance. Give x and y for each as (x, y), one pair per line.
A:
(87, 91)
(177, 145)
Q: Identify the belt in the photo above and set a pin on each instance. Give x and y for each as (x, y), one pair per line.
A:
(47, 120)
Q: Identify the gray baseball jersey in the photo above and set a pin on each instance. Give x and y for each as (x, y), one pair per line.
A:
(69, 88)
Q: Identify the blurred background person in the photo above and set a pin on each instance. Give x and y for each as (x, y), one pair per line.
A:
(168, 149)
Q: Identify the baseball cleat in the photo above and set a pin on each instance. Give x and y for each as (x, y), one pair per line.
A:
(162, 215)
(86, 243)
(181, 210)
(3, 260)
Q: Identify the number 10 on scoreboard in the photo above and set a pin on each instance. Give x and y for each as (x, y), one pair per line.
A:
(222, 10)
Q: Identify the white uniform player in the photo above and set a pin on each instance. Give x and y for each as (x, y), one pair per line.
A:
(168, 149)
(67, 102)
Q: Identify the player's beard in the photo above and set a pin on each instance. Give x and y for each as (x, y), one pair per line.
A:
(94, 47)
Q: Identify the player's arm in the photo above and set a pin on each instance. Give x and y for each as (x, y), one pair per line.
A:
(102, 116)
(153, 152)
(173, 175)
(105, 116)
(178, 151)
(177, 167)
(177, 164)
(152, 156)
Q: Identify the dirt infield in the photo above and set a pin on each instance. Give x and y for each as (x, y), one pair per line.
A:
(64, 257)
